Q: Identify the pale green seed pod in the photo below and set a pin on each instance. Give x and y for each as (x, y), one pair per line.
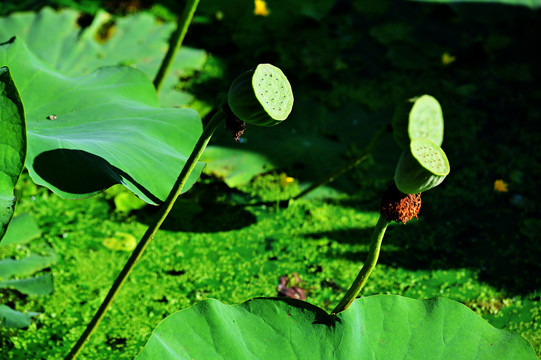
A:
(262, 96)
(422, 119)
(421, 167)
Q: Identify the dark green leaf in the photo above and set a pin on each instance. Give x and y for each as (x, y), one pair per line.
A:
(376, 327)
(12, 145)
(88, 133)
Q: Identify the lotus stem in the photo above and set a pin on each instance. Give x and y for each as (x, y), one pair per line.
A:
(166, 207)
(175, 42)
(369, 265)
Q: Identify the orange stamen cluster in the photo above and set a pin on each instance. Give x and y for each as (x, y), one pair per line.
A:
(399, 207)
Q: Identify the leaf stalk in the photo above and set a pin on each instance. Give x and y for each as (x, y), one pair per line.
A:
(175, 42)
(165, 208)
(369, 265)
(350, 165)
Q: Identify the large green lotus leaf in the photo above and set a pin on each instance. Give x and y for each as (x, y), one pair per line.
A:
(529, 3)
(137, 40)
(90, 132)
(384, 327)
(12, 145)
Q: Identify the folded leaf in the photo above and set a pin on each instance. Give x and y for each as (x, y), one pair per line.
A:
(12, 145)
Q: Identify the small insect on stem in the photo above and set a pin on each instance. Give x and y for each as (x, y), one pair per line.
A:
(51, 117)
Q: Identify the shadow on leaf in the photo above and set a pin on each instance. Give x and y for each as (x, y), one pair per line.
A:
(81, 172)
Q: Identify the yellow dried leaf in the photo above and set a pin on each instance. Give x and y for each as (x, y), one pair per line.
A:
(260, 8)
(285, 180)
(447, 58)
(120, 242)
(500, 186)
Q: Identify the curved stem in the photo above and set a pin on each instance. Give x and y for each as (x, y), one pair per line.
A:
(369, 265)
(166, 207)
(175, 43)
(354, 162)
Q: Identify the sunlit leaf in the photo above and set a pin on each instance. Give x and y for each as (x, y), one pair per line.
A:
(137, 40)
(376, 327)
(88, 133)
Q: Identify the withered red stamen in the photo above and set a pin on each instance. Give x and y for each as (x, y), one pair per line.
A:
(399, 207)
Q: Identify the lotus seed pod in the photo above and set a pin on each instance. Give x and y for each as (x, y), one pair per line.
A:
(421, 167)
(422, 119)
(262, 96)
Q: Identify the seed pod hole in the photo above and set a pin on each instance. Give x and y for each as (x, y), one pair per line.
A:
(276, 90)
(262, 96)
(431, 157)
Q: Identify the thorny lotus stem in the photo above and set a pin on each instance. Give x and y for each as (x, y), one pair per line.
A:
(350, 165)
(369, 265)
(175, 43)
(166, 207)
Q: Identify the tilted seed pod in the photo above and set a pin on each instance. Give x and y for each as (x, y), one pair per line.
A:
(421, 167)
(262, 96)
(422, 119)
